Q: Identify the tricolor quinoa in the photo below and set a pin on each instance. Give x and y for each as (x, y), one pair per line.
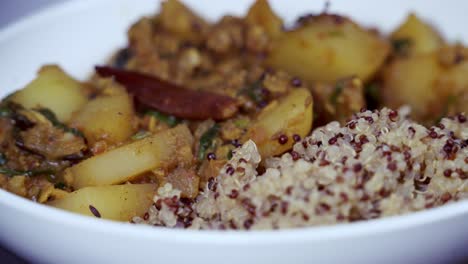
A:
(379, 164)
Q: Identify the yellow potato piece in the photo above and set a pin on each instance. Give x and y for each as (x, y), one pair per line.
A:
(422, 37)
(292, 115)
(163, 150)
(260, 13)
(412, 81)
(326, 50)
(106, 118)
(55, 90)
(119, 202)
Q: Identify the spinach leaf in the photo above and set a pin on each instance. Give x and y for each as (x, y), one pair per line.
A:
(206, 141)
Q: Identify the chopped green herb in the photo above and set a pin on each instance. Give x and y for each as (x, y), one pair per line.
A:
(335, 33)
(168, 119)
(206, 141)
(336, 93)
(5, 112)
(3, 159)
(60, 185)
(401, 46)
(12, 172)
(47, 113)
(140, 135)
(229, 155)
(254, 91)
(451, 101)
(11, 110)
(371, 93)
(242, 122)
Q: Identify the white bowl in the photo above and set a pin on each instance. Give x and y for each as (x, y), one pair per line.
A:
(79, 34)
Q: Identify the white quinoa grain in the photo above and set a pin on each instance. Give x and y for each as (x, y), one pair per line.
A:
(379, 164)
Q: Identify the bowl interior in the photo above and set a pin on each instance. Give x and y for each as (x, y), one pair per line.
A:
(98, 28)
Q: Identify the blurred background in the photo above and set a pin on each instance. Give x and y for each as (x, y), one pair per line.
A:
(13, 9)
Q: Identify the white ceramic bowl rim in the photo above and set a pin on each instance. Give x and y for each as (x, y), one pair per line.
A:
(320, 233)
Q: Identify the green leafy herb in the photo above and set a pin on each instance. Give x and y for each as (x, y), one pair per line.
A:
(12, 172)
(254, 92)
(206, 141)
(5, 111)
(3, 159)
(168, 119)
(371, 93)
(229, 155)
(241, 122)
(47, 113)
(60, 185)
(11, 110)
(336, 93)
(140, 135)
(336, 33)
(451, 101)
(401, 46)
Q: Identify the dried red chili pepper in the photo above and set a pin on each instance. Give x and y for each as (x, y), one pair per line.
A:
(172, 99)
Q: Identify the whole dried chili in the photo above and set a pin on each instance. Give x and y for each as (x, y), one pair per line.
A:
(172, 99)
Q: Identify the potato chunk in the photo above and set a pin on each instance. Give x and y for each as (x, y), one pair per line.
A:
(327, 48)
(292, 115)
(107, 117)
(260, 13)
(163, 150)
(421, 37)
(120, 202)
(412, 81)
(55, 90)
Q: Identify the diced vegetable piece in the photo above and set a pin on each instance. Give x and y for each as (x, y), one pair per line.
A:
(412, 81)
(417, 35)
(163, 150)
(453, 85)
(281, 120)
(52, 142)
(107, 117)
(187, 25)
(260, 13)
(55, 90)
(184, 180)
(172, 99)
(119, 202)
(339, 101)
(327, 48)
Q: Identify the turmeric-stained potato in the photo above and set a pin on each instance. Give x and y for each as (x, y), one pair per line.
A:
(453, 84)
(163, 150)
(107, 117)
(260, 13)
(412, 81)
(276, 124)
(415, 36)
(119, 202)
(55, 90)
(326, 48)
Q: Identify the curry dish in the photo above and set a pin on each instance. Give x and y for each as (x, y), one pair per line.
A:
(247, 123)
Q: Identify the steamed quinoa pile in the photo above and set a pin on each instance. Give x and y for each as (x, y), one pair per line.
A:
(379, 164)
